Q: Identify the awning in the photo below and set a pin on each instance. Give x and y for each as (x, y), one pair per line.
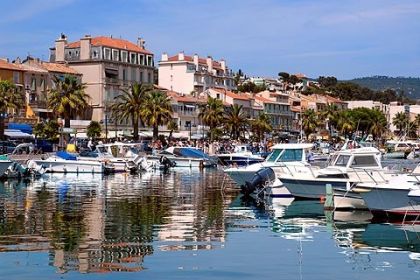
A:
(190, 106)
(111, 71)
(42, 110)
(23, 127)
(15, 133)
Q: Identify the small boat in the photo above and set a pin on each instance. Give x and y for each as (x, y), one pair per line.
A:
(399, 196)
(345, 168)
(283, 155)
(241, 156)
(63, 162)
(183, 157)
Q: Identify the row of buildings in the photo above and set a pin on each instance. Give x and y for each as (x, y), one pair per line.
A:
(108, 65)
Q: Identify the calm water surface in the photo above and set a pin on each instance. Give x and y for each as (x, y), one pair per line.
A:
(181, 225)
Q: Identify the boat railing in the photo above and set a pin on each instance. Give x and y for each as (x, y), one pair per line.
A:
(379, 178)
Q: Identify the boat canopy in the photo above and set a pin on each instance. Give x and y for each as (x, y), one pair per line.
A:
(66, 156)
(285, 146)
(187, 152)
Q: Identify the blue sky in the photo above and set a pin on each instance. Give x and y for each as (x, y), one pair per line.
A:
(344, 38)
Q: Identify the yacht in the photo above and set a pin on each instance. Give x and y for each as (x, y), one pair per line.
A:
(63, 162)
(241, 156)
(288, 154)
(345, 169)
(183, 157)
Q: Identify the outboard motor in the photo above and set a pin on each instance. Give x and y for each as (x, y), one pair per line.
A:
(166, 162)
(259, 180)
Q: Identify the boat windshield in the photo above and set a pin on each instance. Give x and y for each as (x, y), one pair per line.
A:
(364, 161)
(286, 155)
(342, 160)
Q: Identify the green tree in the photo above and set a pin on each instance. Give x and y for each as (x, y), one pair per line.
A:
(236, 120)
(9, 99)
(346, 123)
(38, 130)
(67, 97)
(128, 105)
(156, 110)
(94, 130)
(309, 122)
(212, 114)
(400, 120)
(378, 124)
(327, 82)
(52, 130)
(330, 115)
(417, 121)
(261, 125)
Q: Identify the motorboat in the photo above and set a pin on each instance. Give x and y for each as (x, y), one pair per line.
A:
(183, 157)
(63, 162)
(399, 196)
(287, 154)
(241, 156)
(4, 165)
(345, 169)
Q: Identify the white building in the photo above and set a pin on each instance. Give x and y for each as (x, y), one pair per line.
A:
(185, 74)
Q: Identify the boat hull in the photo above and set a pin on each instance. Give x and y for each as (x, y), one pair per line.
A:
(63, 166)
(227, 160)
(312, 189)
(391, 201)
(183, 162)
(348, 200)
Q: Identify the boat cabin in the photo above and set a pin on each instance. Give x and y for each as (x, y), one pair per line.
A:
(366, 158)
(289, 152)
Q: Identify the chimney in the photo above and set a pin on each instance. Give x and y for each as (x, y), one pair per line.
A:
(60, 45)
(210, 63)
(164, 57)
(181, 56)
(195, 59)
(85, 47)
(141, 42)
(223, 64)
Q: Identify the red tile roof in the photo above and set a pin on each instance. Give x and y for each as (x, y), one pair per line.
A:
(202, 61)
(9, 66)
(263, 99)
(187, 98)
(232, 94)
(59, 68)
(112, 43)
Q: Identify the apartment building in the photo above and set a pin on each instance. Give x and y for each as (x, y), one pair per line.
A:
(108, 65)
(276, 105)
(185, 74)
(14, 74)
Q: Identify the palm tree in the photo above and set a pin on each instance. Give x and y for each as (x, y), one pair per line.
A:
(68, 96)
(156, 110)
(400, 120)
(211, 114)
(417, 121)
(346, 123)
(378, 124)
(172, 125)
(309, 122)
(236, 120)
(330, 114)
(128, 105)
(261, 125)
(9, 99)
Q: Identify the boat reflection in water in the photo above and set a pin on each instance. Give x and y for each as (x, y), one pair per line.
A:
(90, 223)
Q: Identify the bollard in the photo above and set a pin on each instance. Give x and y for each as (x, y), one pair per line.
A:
(329, 198)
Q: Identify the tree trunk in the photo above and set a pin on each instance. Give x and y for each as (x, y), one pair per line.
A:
(2, 128)
(155, 132)
(135, 129)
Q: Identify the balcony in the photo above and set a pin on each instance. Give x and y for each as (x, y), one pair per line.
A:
(112, 81)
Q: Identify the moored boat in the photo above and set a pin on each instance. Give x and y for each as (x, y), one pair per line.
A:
(241, 156)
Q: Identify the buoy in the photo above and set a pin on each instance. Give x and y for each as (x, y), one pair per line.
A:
(322, 199)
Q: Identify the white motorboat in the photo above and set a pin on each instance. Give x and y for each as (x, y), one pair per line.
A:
(183, 157)
(398, 196)
(63, 162)
(4, 165)
(345, 169)
(241, 156)
(282, 155)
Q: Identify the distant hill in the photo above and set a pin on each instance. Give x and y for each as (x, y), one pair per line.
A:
(410, 86)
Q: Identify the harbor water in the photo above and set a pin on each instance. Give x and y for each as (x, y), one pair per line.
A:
(187, 224)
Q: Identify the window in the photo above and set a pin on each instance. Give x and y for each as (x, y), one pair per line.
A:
(149, 60)
(107, 53)
(141, 59)
(124, 56)
(16, 77)
(33, 83)
(274, 155)
(218, 95)
(133, 74)
(124, 74)
(342, 160)
(43, 85)
(172, 77)
(133, 58)
(149, 78)
(141, 76)
(115, 55)
(361, 161)
(95, 53)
